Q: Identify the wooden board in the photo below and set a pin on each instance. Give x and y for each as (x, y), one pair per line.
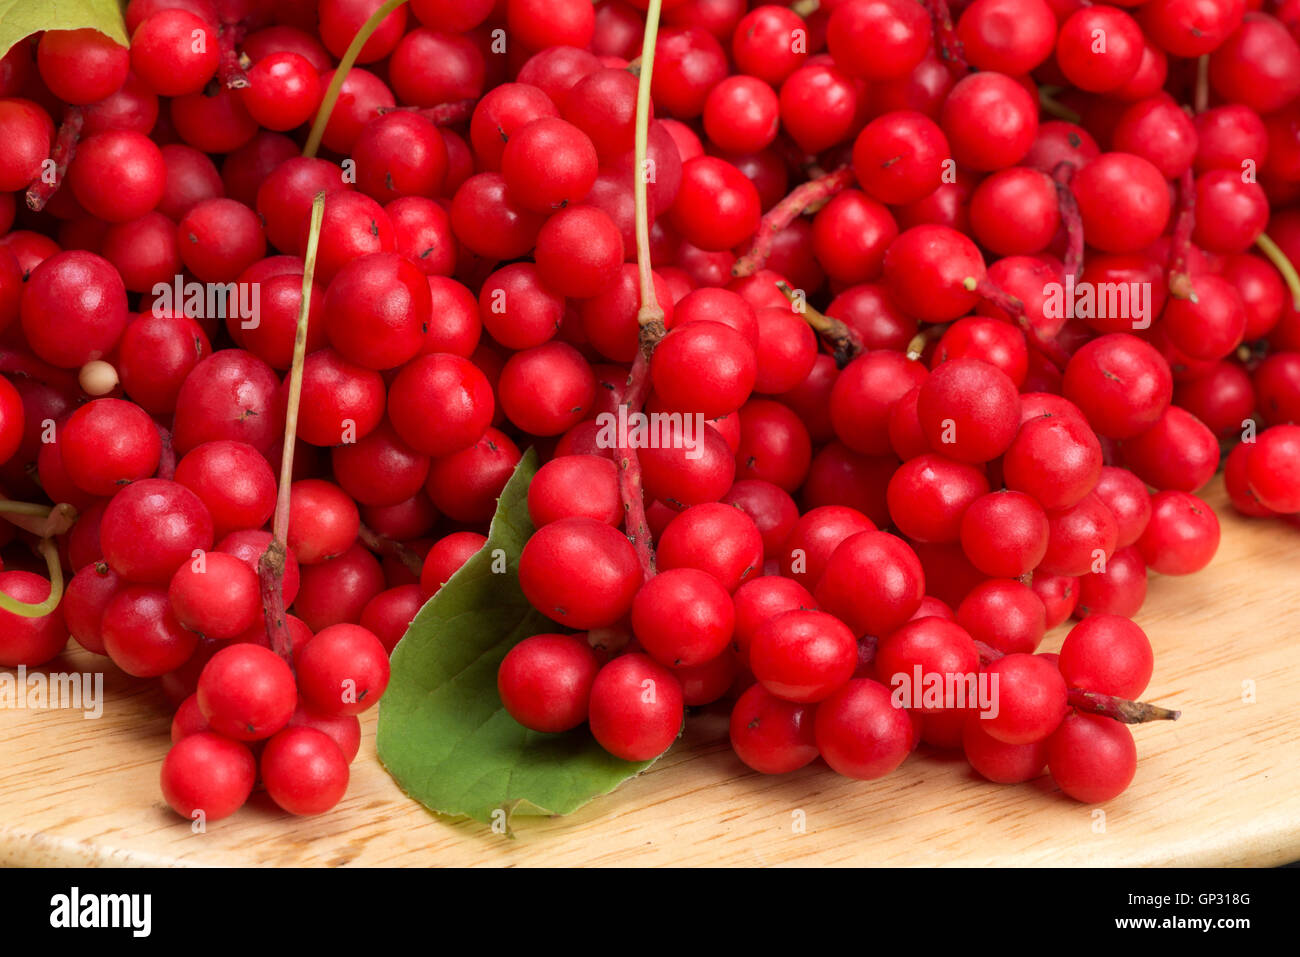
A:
(1219, 787)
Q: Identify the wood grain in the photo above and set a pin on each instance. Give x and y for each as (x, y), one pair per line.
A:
(1219, 787)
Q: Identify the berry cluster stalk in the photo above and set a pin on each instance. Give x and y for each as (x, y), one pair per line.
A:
(65, 147)
(270, 567)
(1180, 281)
(805, 198)
(650, 316)
(1094, 702)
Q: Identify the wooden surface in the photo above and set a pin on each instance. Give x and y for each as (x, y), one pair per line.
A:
(1219, 787)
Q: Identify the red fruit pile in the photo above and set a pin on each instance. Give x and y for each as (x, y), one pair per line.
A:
(1026, 325)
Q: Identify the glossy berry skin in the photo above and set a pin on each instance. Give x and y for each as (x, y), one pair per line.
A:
(580, 252)
(1014, 211)
(1211, 327)
(998, 761)
(900, 157)
(545, 682)
(931, 647)
(548, 389)
(142, 635)
(323, 520)
(233, 395)
(1107, 654)
(1004, 534)
(217, 597)
(873, 581)
(1079, 537)
(926, 270)
(864, 395)
(164, 54)
(1178, 452)
(803, 656)
(84, 600)
(929, 494)
(446, 557)
(580, 572)
(1031, 699)
(73, 308)
(1123, 201)
(28, 641)
(682, 617)
(284, 91)
(131, 162)
(878, 39)
(636, 708)
(548, 164)
(304, 771)
(342, 670)
(704, 367)
(814, 539)
(205, 773)
(860, 732)
(340, 401)
(771, 735)
(440, 404)
(246, 692)
(379, 470)
(1273, 468)
(377, 310)
(1009, 36)
(1056, 460)
(575, 485)
(1095, 67)
(233, 480)
(1004, 614)
(81, 66)
(717, 207)
(109, 443)
(1091, 758)
(151, 527)
(1190, 28)
(990, 121)
(1122, 384)
(969, 410)
(1126, 496)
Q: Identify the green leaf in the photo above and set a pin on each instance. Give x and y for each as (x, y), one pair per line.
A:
(22, 18)
(443, 734)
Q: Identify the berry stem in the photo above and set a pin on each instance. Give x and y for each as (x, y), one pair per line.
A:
(946, 43)
(650, 316)
(50, 551)
(1070, 217)
(1273, 252)
(270, 568)
(805, 198)
(843, 341)
(444, 114)
(1121, 709)
(1093, 702)
(341, 73)
(1050, 105)
(65, 147)
(43, 521)
(391, 548)
(1050, 349)
(1201, 96)
(229, 71)
(167, 461)
(650, 310)
(1180, 282)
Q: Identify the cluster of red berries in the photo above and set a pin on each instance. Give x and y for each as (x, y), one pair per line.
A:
(962, 462)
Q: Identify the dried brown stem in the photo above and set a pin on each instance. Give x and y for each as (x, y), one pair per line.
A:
(444, 114)
(1050, 349)
(391, 548)
(946, 43)
(1070, 218)
(844, 343)
(805, 198)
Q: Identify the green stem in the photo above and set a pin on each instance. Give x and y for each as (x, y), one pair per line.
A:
(1283, 263)
(341, 74)
(1052, 107)
(650, 314)
(270, 567)
(40, 609)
